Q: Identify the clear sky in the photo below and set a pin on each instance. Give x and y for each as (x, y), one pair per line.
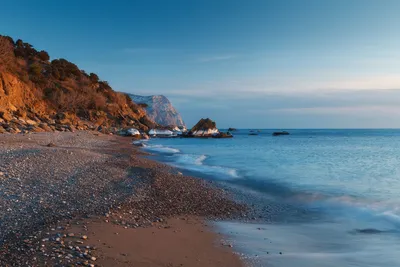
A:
(255, 64)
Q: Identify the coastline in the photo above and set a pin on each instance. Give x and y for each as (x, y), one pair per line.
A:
(53, 184)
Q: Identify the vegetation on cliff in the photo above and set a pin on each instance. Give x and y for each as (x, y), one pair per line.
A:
(39, 94)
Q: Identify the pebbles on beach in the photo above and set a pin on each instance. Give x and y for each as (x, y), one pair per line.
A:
(44, 190)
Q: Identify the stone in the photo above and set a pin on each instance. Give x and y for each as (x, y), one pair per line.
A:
(31, 122)
(6, 115)
(45, 127)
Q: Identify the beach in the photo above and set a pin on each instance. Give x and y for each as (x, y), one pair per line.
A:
(91, 199)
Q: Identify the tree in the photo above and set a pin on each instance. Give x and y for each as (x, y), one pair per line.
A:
(43, 55)
(93, 77)
(35, 69)
(6, 50)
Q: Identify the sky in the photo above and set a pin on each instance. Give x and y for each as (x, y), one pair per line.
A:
(245, 64)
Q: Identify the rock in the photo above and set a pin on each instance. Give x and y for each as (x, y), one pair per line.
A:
(204, 128)
(31, 122)
(132, 132)
(6, 115)
(222, 135)
(51, 144)
(84, 237)
(2, 130)
(45, 127)
(138, 144)
(145, 136)
(280, 133)
(36, 129)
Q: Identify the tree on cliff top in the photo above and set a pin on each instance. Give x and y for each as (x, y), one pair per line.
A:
(6, 50)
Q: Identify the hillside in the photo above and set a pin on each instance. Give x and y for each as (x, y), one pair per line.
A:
(159, 109)
(37, 94)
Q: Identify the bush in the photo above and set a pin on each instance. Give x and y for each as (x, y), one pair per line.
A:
(35, 69)
(94, 78)
(43, 55)
(6, 50)
(142, 105)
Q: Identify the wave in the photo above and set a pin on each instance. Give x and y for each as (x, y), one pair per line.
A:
(161, 149)
(196, 163)
(366, 213)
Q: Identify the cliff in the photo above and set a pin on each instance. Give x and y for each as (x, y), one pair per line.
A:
(159, 109)
(37, 94)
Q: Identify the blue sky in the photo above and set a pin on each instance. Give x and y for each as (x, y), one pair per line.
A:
(255, 64)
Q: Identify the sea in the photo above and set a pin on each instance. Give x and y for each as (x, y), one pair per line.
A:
(322, 197)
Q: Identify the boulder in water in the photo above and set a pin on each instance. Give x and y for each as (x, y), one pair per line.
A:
(280, 133)
(204, 128)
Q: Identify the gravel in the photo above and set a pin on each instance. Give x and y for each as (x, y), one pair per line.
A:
(45, 188)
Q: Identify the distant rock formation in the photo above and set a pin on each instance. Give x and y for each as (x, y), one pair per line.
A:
(205, 127)
(160, 110)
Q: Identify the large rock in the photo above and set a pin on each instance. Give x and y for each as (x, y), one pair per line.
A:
(205, 127)
(6, 115)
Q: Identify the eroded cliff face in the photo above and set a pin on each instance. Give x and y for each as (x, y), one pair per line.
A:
(15, 94)
(22, 110)
(160, 110)
(37, 94)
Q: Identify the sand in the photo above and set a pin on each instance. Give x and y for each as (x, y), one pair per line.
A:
(185, 241)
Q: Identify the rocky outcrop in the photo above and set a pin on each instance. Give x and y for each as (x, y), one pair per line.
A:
(160, 110)
(205, 127)
(41, 95)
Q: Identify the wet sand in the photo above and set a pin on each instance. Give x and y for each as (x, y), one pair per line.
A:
(184, 241)
(62, 192)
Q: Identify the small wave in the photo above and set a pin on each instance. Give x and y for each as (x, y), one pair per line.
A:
(195, 163)
(162, 149)
(190, 159)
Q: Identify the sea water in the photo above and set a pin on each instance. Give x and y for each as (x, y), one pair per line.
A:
(324, 197)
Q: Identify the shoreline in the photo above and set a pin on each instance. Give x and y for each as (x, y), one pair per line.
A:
(102, 181)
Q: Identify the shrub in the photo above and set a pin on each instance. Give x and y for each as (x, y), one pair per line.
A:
(6, 50)
(43, 55)
(94, 78)
(142, 105)
(35, 69)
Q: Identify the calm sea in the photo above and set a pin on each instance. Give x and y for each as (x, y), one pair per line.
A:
(325, 197)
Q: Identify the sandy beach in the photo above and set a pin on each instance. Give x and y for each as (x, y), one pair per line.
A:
(90, 199)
